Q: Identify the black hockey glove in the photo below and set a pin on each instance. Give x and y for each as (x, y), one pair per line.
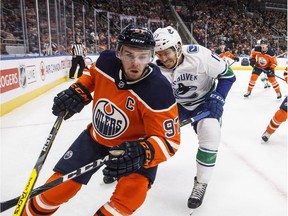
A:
(214, 103)
(71, 100)
(252, 62)
(270, 72)
(128, 158)
(236, 58)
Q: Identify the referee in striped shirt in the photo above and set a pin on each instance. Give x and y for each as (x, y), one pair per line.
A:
(78, 52)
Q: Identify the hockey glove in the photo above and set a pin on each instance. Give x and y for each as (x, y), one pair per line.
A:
(236, 58)
(71, 100)
(270, 72)
(214, 103)
(134, 155)
(252, 62)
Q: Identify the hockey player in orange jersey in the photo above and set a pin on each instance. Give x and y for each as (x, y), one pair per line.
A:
(134, 111)
(263, 76)
(279, 117)
(263, 57)
(224, 53)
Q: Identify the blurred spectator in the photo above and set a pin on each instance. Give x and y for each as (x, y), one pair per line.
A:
(100, 21)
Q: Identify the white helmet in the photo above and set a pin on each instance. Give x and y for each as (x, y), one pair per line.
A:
(165, 38)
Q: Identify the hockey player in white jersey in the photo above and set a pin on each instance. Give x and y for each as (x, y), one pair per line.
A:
(201, 81)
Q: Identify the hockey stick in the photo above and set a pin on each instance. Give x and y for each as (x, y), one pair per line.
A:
(231, 63)
(281, 54)
(195, 118)
(265, 71)
(22, 200)
(88, 167)
(183, 123)
(97, 163)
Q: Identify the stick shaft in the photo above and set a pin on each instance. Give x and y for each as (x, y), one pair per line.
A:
(37, 168)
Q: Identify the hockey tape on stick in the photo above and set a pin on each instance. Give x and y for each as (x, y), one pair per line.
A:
(88, 167)
(22, 200)
(97, 163)
(195, 118)
(265, 71)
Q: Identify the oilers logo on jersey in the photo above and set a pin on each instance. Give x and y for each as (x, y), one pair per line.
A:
(108, 120)
(262, 61)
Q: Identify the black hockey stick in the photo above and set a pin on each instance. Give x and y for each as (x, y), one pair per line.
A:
(265, 71)
(232, 63)
(22, 200)
(88, 167)
(97, 163)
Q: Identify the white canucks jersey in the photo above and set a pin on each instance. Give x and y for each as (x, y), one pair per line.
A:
(195, 76)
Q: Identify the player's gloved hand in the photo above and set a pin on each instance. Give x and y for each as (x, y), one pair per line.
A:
(252, 62)
(128, 158)
(71, 100)
(236, 58)
(270, 72)
(214, 103)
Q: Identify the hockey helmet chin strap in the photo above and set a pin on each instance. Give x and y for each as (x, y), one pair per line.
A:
(178, 56)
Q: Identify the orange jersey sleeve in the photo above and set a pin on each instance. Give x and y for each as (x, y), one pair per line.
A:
(127, 111)
(264, 60)
(227, 54)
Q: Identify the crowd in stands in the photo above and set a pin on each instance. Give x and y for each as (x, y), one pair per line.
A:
(212, 20)
(122, 13)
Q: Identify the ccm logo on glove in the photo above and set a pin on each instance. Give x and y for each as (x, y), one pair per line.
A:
(217, 97)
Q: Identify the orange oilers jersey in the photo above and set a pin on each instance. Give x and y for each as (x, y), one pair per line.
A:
(128, 111)
(225, 53)
(264, 60)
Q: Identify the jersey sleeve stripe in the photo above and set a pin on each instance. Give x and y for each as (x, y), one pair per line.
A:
(171, 150)
(173, 145)
(86, 73)
(162, 146)
(225, 70)
(227, 75)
